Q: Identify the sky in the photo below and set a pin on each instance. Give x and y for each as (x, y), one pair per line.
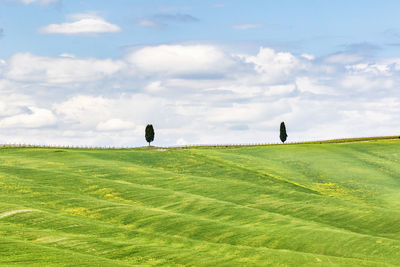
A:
(96, 72)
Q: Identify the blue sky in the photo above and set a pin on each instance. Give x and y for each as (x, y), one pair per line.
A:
(317, 27)
(96, 72)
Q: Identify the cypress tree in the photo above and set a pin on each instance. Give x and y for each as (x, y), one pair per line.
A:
(149, 133)
(283, 135)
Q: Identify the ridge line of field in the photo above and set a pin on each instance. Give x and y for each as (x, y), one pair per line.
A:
(198, 240)
(329, 141)
(114, 204)
(230, 202)
(154, 169)
(88, 147)
(321, 224)
(318, 222)
(271, 177)
(264, 210)
(211, 178)
(217, 244)
(329, 227)
(34, 244)
(262, 173)
(80, 195)
(233, 181)
(376, 165)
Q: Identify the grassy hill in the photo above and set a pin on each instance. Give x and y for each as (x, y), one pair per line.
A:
(329, 204)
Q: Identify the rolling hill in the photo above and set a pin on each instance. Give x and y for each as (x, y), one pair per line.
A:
(328, 204)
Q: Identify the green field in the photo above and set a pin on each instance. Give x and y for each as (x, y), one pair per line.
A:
(329, 204)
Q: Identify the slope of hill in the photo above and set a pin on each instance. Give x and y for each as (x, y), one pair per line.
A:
(292, 205)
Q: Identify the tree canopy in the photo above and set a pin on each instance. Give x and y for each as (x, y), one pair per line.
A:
(149, 133)
(283, 135)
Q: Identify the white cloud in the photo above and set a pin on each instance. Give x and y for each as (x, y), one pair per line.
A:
(26, 67)
(237, 113)
(280, 89)
(365, 83)
(376, 69)
(67, 55)
(181, 60)
(392, 62)
(84, 111)
(344, 58)
(195, 94)
(34, 118)
(246, 26)
(115, 125)
(81, 24)
(274, 66)
(155, 87)
(308, 56)
(313, 85)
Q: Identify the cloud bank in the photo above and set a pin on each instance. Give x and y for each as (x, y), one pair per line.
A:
(196, 94)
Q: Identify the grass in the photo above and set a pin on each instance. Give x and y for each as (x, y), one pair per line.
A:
(329, 204)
